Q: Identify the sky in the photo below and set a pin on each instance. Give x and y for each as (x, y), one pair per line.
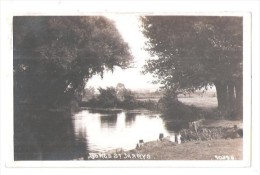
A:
(132, 78)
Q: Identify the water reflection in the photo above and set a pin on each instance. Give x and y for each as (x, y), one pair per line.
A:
(118, 130)
(42, 135)
(130, 119)
(108, 121)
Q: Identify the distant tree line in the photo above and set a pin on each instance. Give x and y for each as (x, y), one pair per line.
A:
(118, 97)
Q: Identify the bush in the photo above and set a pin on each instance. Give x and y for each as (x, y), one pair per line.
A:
(107, 98)
(177, 110)
(127, 100)
(208, 134)
(148, 104)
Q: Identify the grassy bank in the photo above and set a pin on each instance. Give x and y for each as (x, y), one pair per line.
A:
(220, 149)
(195, 150)
(218, 139)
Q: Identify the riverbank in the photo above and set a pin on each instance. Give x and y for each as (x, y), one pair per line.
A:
(194, 150)
(220, 149)
(221, 144)
(118, 110)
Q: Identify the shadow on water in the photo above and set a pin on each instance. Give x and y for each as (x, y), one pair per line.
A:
(108, 121)
(45, 135)
(130, 119)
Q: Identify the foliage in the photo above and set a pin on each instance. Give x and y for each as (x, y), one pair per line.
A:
(171, 108)
(107, 97)
(148, 104)
(128, 100)
(191, 52)
(55, 56)
(89, 91)
(208, 134)
(118, 98)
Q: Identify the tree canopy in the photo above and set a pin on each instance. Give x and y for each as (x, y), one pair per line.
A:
(192, 52)
(55, 56)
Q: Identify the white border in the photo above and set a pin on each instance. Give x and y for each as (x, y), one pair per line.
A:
(11, 8)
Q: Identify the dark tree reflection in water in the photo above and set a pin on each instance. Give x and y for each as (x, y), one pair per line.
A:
(130, 119)
(42, 135)
(108, 121)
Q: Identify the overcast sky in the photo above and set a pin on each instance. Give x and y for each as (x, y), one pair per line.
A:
(128, 26)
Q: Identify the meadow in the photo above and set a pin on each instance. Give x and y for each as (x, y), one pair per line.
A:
(206, 102)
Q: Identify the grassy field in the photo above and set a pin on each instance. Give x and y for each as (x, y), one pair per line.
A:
(204, 102)
(196, 150)
(201, 102)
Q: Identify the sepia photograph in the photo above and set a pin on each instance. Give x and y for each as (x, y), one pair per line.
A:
(127, 87)
(123, 86)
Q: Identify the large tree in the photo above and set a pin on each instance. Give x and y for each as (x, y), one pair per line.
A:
(55, 56)
(192, 52)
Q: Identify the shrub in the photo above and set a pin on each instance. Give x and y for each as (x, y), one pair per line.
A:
(208, 134)
(148, 104)
(178, 111)
(107, 98)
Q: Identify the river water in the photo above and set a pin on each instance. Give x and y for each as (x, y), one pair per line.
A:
(108, 130)
(46, 135)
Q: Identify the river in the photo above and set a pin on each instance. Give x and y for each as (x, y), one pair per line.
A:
(108, 130)
(45, 135)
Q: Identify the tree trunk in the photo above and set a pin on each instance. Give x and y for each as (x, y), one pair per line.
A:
(239, 98)
(231, 98)
(221, 88)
